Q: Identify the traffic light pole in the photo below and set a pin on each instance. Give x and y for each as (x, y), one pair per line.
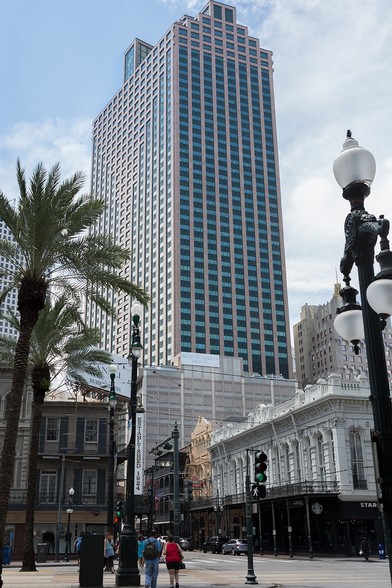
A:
(250, 577)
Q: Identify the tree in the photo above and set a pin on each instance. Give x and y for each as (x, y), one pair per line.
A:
(60, 341)
(52, 250)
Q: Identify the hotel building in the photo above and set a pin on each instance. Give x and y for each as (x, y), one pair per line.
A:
(185, 156)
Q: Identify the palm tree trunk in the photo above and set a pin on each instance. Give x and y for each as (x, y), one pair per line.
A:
(40, 383)
(31, 300)
(14, 403)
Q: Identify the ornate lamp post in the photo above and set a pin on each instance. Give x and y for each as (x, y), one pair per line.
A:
(71, 493)
(218, 508)
(128, 571)
(175, 436)
(176, 484)
(354, 170)
(112, 406)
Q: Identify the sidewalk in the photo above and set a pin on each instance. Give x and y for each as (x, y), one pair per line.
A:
(66, 575)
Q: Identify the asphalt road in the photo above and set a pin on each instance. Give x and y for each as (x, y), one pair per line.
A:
(208, 570)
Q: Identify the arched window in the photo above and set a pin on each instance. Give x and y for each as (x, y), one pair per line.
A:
(357, 467)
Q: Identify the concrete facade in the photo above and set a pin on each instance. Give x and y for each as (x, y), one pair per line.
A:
(319, 351)
(320, 469)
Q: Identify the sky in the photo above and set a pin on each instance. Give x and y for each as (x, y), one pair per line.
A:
(62, 61)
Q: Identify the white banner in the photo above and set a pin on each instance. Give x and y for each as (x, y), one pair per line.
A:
(122, 380)
(139, 453)
(201, 359)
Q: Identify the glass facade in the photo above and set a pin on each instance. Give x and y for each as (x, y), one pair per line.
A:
(187, 155)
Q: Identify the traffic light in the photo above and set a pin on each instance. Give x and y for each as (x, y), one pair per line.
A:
(116, 520)
(120, 509)
(260, 467)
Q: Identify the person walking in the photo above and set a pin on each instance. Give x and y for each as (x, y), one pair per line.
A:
(364, 548)
(152, 550)
(140, 547)
(173, 555)
(78, 545)
(109, 553)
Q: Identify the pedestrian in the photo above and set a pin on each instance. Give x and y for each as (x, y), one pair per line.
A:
(140, 547)
(174, 556)
(109, 553)
(364, 548)
(46, 539)
(152, 550)
(51, 541)
(78, 545)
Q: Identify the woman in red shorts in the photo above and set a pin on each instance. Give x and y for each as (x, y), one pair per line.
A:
(172, 553)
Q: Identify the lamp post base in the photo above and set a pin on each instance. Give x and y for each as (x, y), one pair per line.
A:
(128, 571)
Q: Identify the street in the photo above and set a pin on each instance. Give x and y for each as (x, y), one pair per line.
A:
(218, 570)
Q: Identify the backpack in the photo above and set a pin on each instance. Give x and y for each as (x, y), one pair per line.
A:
(150, 550)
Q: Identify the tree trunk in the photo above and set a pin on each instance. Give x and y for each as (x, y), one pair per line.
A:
(40, 383)
(31, 300)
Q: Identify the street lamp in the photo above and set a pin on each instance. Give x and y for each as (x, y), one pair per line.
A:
(71, 493)
(128, 570)
(112, 406)
(175, 436)
(176, 484)
(218, 508)
(354, 170)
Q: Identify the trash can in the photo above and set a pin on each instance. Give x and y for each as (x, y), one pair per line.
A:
(91, 561)
(6, 555)
(42, 551)
(381, 551)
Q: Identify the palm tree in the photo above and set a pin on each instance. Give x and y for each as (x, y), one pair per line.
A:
(60, 341)
(52, 250)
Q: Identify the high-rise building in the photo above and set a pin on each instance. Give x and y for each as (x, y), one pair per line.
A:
(320, 351)
(10, 304)
(185, 156)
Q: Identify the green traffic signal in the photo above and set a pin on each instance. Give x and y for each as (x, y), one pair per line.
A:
(260, 467)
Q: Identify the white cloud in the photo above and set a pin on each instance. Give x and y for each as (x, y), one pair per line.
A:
(332, 62)
(53, 140)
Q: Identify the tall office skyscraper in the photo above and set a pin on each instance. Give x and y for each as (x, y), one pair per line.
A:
(185, 155)
(10, 304)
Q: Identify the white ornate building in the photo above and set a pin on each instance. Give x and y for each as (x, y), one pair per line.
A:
(321, 489)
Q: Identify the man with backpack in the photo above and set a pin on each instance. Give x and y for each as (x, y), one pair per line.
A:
(152, 550)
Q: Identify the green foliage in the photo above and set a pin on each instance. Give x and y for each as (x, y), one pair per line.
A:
(60, 342)
(50, 225)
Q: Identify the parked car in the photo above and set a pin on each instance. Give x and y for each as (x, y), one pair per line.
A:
(186, 543)
(214, 544)
(235, 547)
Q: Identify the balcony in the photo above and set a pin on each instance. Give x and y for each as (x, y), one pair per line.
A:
(276, 492)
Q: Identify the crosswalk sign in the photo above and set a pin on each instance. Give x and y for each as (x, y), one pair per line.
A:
(255, 491)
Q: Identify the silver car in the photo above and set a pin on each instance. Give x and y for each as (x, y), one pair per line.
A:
(186, 543)
(235, 547)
